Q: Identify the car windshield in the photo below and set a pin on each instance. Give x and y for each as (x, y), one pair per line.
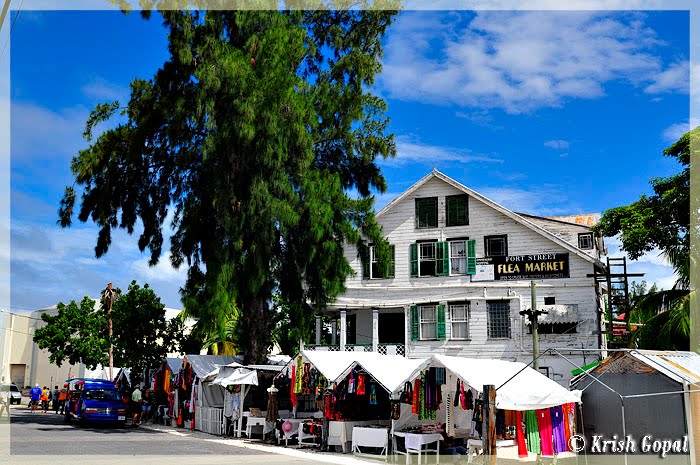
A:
(102, 394)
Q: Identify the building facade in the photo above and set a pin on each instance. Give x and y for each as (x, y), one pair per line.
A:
(460, 275)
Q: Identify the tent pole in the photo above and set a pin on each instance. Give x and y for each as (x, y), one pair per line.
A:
(244, 391)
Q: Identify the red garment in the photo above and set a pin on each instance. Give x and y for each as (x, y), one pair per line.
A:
(415, 407)
(292, 394)
(360, 385)
(520, 435)
(569, 411)
(544, 424)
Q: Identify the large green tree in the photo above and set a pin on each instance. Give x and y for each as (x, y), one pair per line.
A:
(78, 333)
(662, 221)
(261, 136)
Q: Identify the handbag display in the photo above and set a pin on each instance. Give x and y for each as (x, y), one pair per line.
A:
(395, 409)
(406, 396)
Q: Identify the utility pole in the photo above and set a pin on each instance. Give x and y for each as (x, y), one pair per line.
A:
(109, 295)
(532, 315)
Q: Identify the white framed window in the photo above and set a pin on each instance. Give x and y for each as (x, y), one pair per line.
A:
(373, 271)
(496, 246)
(498, 319)
(428, 322)
(426, 259)
(585, 241)
(459, 320)
(458, 257)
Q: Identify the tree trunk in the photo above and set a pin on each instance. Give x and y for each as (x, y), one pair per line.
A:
(257, 334)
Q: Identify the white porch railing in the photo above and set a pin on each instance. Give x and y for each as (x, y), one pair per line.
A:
(209, 420)
(386, 349)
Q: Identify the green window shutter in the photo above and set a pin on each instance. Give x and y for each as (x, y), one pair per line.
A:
(426, 213)
(392, 263)
(441, 322)
(442, 259)
(456, 207)
(365, 263)
(413, 253)
(415, 323)
(471, 257)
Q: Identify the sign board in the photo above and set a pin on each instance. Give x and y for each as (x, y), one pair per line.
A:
(522, 267)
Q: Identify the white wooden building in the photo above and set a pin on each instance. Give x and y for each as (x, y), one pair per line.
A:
(460, 275)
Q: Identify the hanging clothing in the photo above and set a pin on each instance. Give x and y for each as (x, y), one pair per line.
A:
(235, 406)
(520, 435)
(468, 399)
(299, 384)
(361, 386)
(292, 386)
(532, 431)
(372, 394)
(569, 411)
(415, 405)
(458, 391)
(351, 382)
(544, 423)
(557, 416)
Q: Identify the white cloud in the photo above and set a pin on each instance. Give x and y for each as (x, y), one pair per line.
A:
(675, 131)
(557, 144)
(675, 78)
(543, 201)
(409, 150)
(521, 60)
(102, 90)
(163, 271)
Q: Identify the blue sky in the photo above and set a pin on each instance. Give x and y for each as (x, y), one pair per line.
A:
(547, 113)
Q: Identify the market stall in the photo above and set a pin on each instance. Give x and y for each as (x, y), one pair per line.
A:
(447, 391)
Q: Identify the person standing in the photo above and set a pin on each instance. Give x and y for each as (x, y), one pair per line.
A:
(62, 397)
(136, 401)
(35, 392)
(54, 399)
(45, 393)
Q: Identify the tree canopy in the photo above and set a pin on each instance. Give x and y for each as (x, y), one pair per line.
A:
(141, 336)
(260, 135)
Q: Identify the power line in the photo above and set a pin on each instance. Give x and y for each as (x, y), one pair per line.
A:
(12, 26)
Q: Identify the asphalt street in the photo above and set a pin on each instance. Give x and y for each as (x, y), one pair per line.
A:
(37, 438)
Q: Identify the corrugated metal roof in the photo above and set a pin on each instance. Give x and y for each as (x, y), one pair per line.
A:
(677, 365)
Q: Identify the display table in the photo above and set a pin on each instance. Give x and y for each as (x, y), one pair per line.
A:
(370, 437)
(291, 433)
(261, 426)
(476, 445)
(415, 443)
(340, 432)
(307, 439)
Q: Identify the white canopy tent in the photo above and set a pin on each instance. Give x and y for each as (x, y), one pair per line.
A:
(234, 374)
(524, 388)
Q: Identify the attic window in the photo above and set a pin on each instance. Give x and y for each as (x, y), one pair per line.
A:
(426, 212)
(585, 241)
(457, 210)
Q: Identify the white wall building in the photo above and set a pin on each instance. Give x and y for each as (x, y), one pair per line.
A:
(460, 276)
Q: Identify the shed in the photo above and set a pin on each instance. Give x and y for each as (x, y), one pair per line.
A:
(643, 392)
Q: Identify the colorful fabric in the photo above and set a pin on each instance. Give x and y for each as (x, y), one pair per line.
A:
(569, 411)
(557, 416)
(361, 386)
(292, 386)
(299, 384)
(372, 394)
(415, 405)
(532, 431)
(544, 423)
(520, 435)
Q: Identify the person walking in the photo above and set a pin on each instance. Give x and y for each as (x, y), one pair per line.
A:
(54, 399)
(136, 401)
(45, 393)
(62, 397)
(35, 392)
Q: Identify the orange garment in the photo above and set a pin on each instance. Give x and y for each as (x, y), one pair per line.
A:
(62, 394)
(569, 422)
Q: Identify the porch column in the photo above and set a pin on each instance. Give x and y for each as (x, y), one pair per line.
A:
(343, 328)
(375, 329)
(334, 332)
(318, 330)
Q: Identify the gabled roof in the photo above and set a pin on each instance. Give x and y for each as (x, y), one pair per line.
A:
(512, 215)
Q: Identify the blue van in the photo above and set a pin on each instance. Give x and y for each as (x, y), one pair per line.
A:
(94, 400)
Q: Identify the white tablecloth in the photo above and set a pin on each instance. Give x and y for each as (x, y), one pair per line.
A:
(340, 432)
(258, 421)
(369, 437)
(416, 441)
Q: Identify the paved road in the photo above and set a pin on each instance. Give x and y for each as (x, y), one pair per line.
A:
(36, 438)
